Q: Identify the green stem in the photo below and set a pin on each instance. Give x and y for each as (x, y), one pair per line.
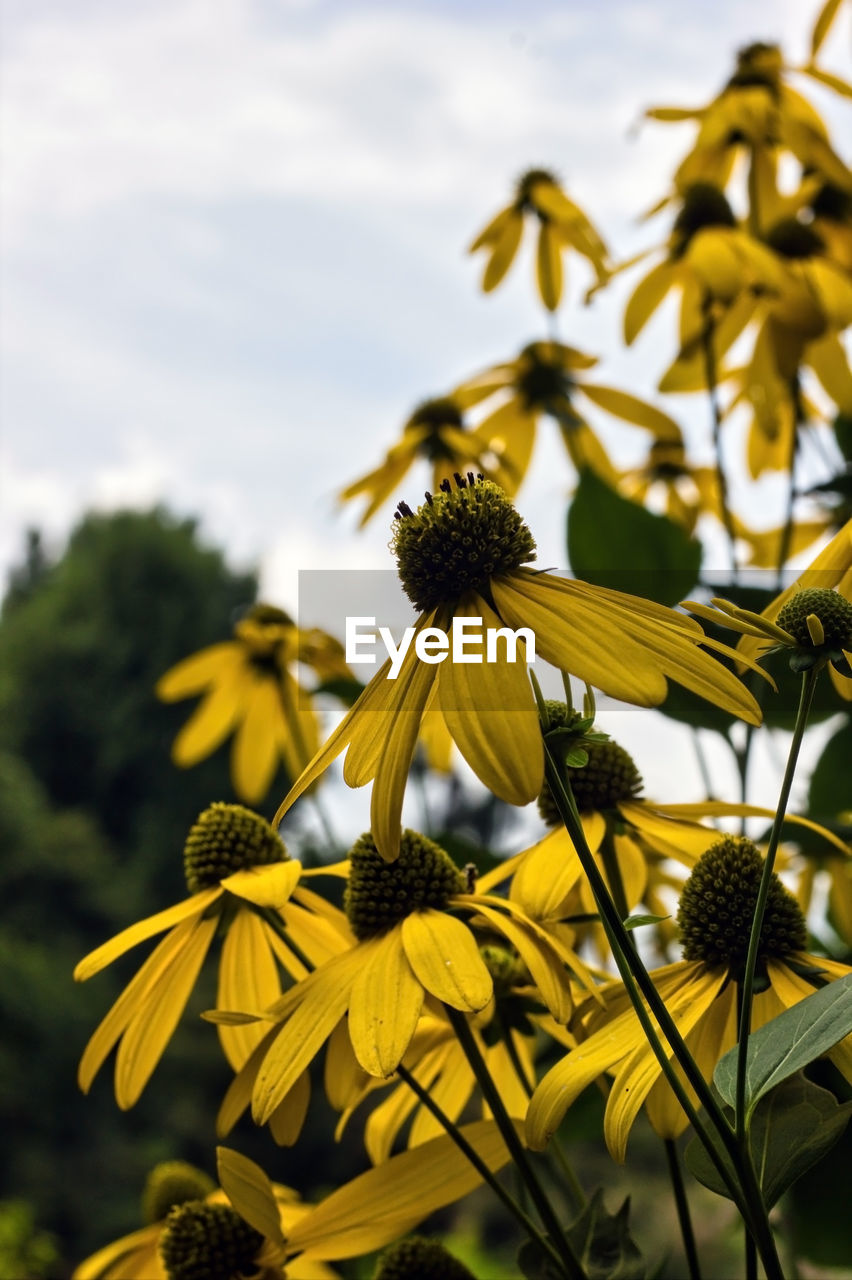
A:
(478, 1163)
(682, 1205)
(609, 858)
(571, 1264)
(711, 378)
(745, 1193)
(809, 679)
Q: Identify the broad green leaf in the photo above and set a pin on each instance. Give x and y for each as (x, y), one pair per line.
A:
(789, 1042)
(602, 1242)
(616, 543)
(792, 1128)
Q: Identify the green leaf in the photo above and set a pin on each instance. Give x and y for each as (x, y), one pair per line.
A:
(613, 542)
(792, 1128)
(602, 1242)
(636, 922)
(830, 778)
(789, 1042)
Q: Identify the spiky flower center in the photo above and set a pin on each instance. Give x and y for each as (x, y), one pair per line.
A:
(228, 838)
(380, 894)
(420, 1259)
(526, 183)
(833, 611)
(609, 776)
(703, 206)
(457, 541)
(208, 1242)
(717, 909)
(796, 240)
(173, 1183)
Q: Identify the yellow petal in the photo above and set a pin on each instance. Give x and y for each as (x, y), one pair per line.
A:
(445, 958)
(544, 965)
(576, 637)
(491, 233)
(136, 933)
(254, 756)
(646, 297)
(549, 266)
(212, 721)
(102, 1264)
(411, 689)
(386, 1202)
(248, 979)
(287, 1120)
(265, 886)
(546, 876)
(490, 711)
(151, 1027)
(250, 1192)
(451, 1091)
(321, 1000)
(823, 22)
(631, 409)
(384, 1007)
(505, 248)
(192, 675)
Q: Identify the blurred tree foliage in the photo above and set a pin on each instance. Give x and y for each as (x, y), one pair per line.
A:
(92, 820)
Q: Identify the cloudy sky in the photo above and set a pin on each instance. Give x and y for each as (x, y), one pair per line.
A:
(233, 237)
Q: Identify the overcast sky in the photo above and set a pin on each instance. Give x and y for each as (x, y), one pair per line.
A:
(233, 239)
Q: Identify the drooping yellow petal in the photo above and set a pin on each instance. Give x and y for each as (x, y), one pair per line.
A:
(546, 876)
(288, 1118)
(344, 1079)
(136, 933)
(143, 1242)
(722, 809)
(445, 958)
(576, 637)
(193, 674)
(451, 1091)
(248, 979)
(320, 1001)
(549, 266)
(503, 253)
(509, 432)
(405, 711)
(254, 755)
(212, 721)
(713, 1035)
(386, 1202)
(631, 409)
(490, 711)
(544, 964)
(266, 886)
(250, 1192)
(646, 297)
(492, 231)
(151, 1027)
(822, 25)
(641, 1069)
(384, 1007)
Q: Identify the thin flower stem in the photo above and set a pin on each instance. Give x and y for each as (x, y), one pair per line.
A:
(746, 1192)
(478, 1163)
(570, 1262)
(682, 1205)
(272, 918)
(609, 857)
(750, 1259)
(787, 529)
(711, 378)
(809, 679)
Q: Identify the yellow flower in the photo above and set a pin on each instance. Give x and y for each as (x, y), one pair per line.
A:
(629, 836)
(561, 225)
(411, 947)
(460, 556)
(436, 432)
(700, 992)
(438, 1063)
(240, 878)
(812, 617)
(758, 114)
(249, 690)
(171, 1186)
(546, 379)
(666, 481)
(720, 271)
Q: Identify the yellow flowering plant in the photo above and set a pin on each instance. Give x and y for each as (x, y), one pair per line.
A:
(653, 970)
